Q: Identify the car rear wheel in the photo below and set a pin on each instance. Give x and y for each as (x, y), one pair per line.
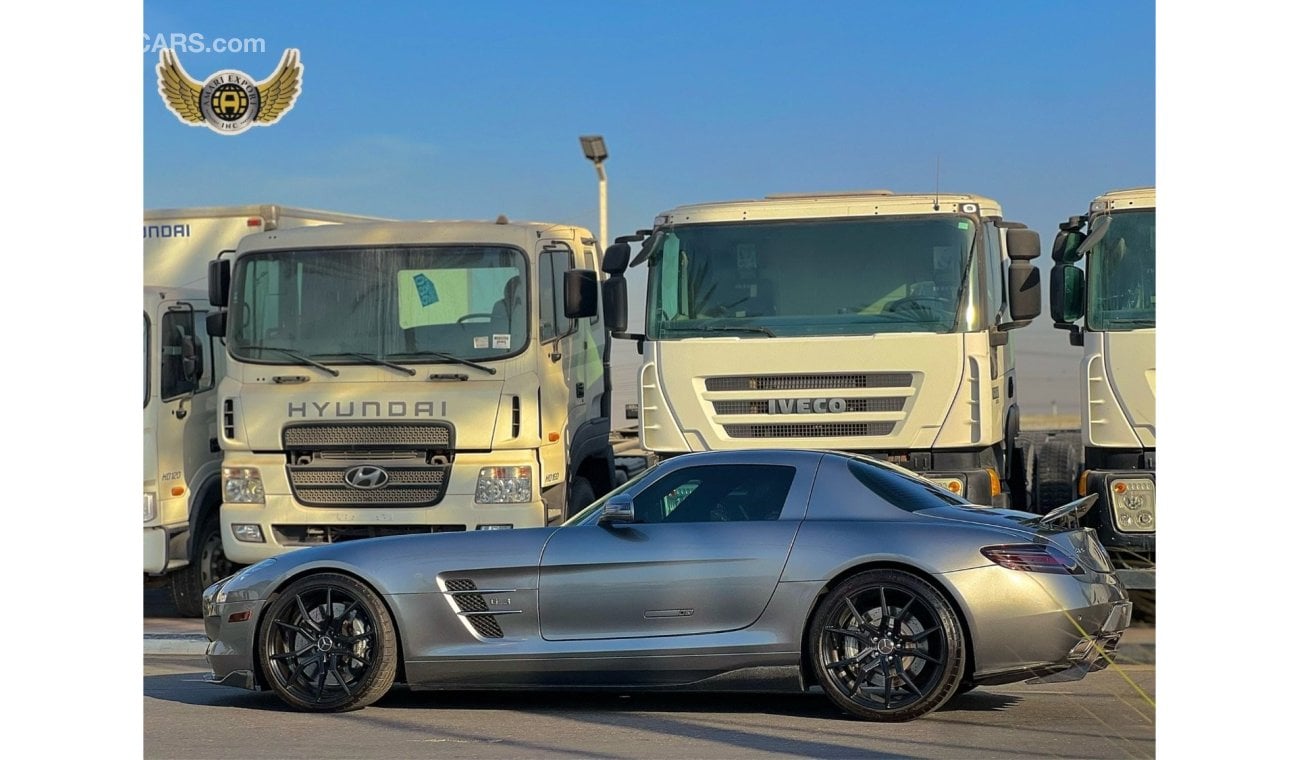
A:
(327, 644)
(886, 646)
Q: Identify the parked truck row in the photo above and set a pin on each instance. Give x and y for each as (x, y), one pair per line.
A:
(368, 378)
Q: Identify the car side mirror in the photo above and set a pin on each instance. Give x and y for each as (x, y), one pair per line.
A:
(1067, 294)
(219, 282)
(618, 511)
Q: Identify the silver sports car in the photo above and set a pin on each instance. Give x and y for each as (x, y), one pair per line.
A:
(813, 568)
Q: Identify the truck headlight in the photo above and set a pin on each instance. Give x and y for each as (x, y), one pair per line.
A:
(150, 506)
(242, 485)
(1133, 500)
(504, 485)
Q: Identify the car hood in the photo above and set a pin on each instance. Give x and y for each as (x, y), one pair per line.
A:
(398, 564)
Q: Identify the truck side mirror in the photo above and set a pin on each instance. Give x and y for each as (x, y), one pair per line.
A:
(1067, 292)
(616, 258)
(219, 282)
(1024, 289)
(1023, 244)
(1065, 249)
(614, 293)
(580, 293)
(216, 322)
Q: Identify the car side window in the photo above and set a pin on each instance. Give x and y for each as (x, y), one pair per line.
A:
(716, 493)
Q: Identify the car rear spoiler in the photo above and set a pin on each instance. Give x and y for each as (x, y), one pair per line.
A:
(1067, 513)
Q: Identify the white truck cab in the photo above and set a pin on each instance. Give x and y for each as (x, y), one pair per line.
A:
(868, 322)
(1114, 295)
(409, 377)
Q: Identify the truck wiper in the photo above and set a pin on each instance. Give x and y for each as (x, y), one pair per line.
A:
(458, 360)
(372, 359)
(725, 328)
(301, 358)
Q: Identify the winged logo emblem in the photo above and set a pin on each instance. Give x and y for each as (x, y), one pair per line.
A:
(229, 102)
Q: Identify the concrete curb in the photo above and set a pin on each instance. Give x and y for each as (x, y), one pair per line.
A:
(175, 643)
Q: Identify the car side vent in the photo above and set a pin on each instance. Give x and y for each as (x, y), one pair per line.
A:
(474, 608)
(228, 418)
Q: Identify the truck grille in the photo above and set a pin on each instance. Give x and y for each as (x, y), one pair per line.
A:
(315, 535)
(422, 486)
(880, 404)
(368, 435)
(809, 430)
(823, 381)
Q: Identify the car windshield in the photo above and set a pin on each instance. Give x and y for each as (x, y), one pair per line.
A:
(369, 305)
(1122, 274)
(810, 277)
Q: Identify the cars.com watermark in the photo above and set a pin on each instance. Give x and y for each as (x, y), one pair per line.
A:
(195, 42)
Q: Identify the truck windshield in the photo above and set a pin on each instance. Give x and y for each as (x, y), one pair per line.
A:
(407, 305)
(1122, 274)
(815, 277)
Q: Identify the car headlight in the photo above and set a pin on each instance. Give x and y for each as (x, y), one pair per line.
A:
(504, 485)
(242, 485)
(150, 506)
(1133, 500)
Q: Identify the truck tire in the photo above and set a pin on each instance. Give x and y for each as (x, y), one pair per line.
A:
(1055, 475)
(207, 566)
(581, 495)
(1020, 474)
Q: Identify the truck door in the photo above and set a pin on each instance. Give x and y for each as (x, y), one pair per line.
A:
(187, 419)
(558, 362)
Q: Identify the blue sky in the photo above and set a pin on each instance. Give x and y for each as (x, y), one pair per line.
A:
(420, 110)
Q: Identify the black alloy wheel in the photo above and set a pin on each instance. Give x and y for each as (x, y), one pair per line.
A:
(886, 646)
(327, 644)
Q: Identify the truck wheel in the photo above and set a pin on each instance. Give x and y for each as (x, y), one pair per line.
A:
(1018, 477)
(1055, 475)
(207, 566)
(581, 495)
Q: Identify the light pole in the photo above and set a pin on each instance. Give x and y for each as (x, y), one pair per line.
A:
(593, 147)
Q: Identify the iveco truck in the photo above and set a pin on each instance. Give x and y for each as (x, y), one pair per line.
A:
(868, 322)
(409, 377)
(182, 459)
(1114, 295)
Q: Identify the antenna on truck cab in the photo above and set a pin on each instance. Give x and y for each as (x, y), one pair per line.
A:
(936, 182)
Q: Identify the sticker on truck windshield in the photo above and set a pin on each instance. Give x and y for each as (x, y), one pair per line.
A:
(480, 341)
(229, 102)
(501, 341)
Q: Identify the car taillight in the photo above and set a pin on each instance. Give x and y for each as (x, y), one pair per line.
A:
(1033, 558)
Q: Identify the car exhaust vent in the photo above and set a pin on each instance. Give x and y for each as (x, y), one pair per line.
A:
(228, 418)
(464, 592)
(883, 404)
(810, 430)
(824, 381)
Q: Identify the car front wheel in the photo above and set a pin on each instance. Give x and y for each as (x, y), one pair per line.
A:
(886, 646)
(327, 644)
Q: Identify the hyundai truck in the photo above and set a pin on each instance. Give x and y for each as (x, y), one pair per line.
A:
(409, 377)
(182, 460)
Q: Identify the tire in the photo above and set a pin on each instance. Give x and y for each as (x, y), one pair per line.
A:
(207, 566)
(1018, 474)
(581, 495)
(900, 671)
(1055, 476)
(328, 644)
